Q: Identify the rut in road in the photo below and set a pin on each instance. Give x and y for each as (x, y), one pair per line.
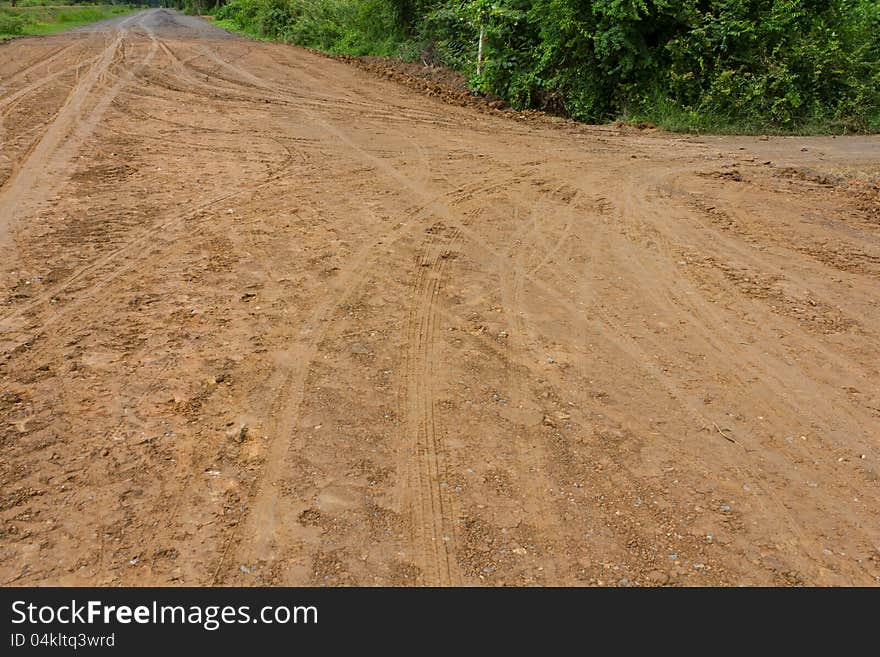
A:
(53, 152)
(285, 322)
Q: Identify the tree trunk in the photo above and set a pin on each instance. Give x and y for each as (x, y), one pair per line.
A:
(480, 49)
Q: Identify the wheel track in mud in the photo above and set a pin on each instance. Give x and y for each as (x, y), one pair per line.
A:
(61, 140)
(7, 103)
(426, 486)
(638, 354)
(751, 467)
(139, 260)
(108, 262)
(262, 520)
(30, 68)
(423, 434)
(545, 260)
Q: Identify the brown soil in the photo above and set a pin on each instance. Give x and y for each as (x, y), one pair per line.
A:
(268, 318)
(439, 75)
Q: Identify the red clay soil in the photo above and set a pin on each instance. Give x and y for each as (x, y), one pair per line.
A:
(270, 318)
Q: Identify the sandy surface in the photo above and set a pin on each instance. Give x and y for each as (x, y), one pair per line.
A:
(268, 318)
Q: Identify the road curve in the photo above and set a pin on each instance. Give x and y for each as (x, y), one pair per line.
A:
(270, 319)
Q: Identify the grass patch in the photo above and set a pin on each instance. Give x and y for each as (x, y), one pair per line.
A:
(40, 20)
(668, 115)
(249, 31)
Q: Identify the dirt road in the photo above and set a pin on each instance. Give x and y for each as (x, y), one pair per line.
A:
(271, 319)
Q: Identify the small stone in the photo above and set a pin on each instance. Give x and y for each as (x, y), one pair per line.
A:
(657, 577)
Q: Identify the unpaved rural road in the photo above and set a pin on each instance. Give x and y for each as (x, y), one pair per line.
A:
(268, 318)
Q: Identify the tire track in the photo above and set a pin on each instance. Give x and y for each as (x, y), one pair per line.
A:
(31, 68)
(45, 165)
(136, 258)
(425, 494)
(8, 102)
(428, 504)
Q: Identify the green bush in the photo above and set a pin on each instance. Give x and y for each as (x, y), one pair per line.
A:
(343, 26)
(81, 15)
(747, 65)
(11, 24)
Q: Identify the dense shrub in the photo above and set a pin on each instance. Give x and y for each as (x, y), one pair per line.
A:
(710, 64)
(12, 24)
(344, 26)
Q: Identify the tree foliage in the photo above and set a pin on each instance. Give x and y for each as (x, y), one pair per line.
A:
(755, 64)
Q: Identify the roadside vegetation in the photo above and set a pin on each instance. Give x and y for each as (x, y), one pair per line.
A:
(27, 17)
(727, 66)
